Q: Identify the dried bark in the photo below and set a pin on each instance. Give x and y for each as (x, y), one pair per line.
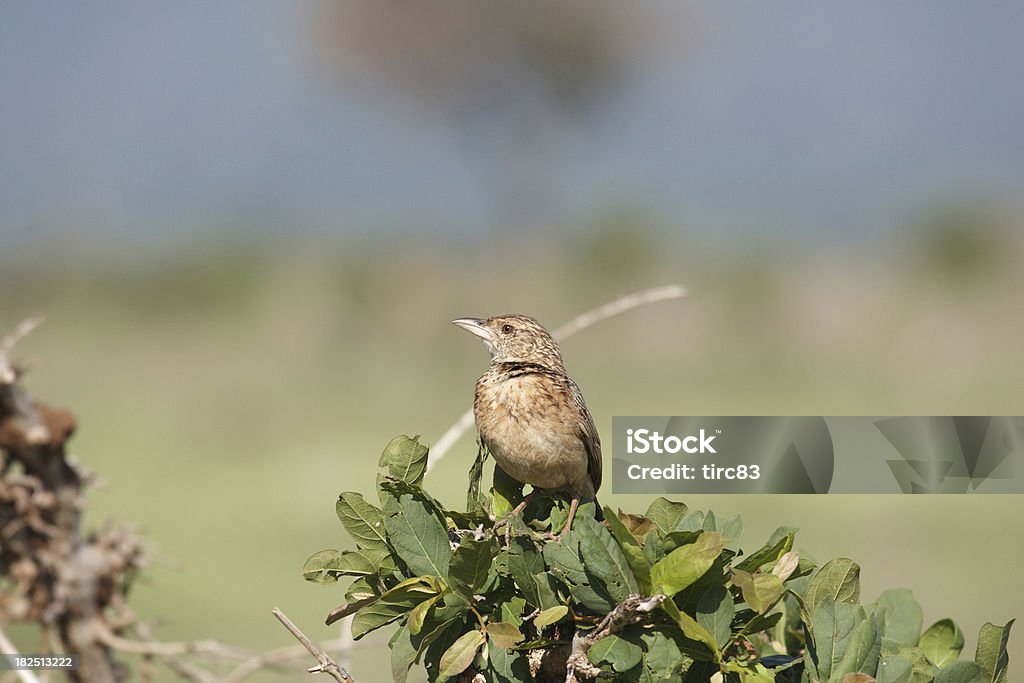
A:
(71, 584)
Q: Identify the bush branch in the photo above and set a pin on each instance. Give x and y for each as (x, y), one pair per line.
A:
(327, 665)
(632, 610)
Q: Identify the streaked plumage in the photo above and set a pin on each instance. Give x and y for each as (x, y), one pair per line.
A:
(530, 414)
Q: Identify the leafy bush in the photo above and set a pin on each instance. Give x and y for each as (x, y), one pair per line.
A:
(664, 596)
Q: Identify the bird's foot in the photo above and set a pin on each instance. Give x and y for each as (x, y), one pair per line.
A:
(507, 523)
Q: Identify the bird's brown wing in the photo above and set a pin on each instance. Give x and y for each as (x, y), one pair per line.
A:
(589, 436)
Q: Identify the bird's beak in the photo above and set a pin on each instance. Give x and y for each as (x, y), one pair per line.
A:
(475, 326)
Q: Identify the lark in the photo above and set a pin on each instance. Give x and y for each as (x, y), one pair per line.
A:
(531, 415)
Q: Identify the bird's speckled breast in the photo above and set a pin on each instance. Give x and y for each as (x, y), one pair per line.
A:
(515, 418)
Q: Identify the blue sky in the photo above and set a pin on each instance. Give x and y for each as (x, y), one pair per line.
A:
(151, 118)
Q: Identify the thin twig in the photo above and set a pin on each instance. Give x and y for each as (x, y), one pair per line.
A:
(577, 324)
(250, 663)
(172, 649)
(8, 374)
(190, 671)
(7, 647)
(18, 333)
(276, 658)
(327, 665)
(632, 610)
(619, 306)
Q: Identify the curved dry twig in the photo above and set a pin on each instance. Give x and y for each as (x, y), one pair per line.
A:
(8, 373)
(327, 665)
(577, 324)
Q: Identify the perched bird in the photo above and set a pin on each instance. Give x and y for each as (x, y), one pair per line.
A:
(531, 415)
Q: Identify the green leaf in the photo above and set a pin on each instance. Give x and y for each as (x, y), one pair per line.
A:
(662, 659)
(833, 624)
(348, 608)
(666, 514)
(653, 551)
(506, 666)
(361, 589)
(923, 671)
(895, 669)
(942, 642)
(750, 672)
(452, 605)
(715, 611)
(476, 473)
(839, 579)
(991, 654)
(506, 493)
(459, 656)
(677, 539)
(731, 530)
(526, 566)
(632, 550)
(604, 559)
(766, 554)
(761, 592)
(693, 631)
(469, 566)
(550, 616)
(327, 566)
(684, 565)
(566, 563)
(760, 622)
(363, 522)
(961, 672)
(504, 634)
(392, 604)
(418, 537)
(418, 614)
(781, 532)
(435, 636)
(512, 610)
(621, 654)
(862, 651)
(694, 521)
(403, 654)
(899, 616)
(406, 459)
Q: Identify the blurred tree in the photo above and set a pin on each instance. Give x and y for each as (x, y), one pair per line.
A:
(965, 240)
(514, 82)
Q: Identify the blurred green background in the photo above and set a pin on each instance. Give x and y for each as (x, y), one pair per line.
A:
(249, 243)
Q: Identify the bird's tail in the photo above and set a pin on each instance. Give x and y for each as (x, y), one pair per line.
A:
(598, 512)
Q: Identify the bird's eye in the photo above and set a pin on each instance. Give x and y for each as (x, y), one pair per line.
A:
(506, 329)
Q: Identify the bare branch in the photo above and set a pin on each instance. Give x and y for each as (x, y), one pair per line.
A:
(8, 373)
(19, 333)
(617, 307)
(632, 610)
(248, 662)
(327, 665)
(173, 649)
(276, 659)
(577, 324)
(190, 671)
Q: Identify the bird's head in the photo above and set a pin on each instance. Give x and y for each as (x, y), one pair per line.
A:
(515, 339)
